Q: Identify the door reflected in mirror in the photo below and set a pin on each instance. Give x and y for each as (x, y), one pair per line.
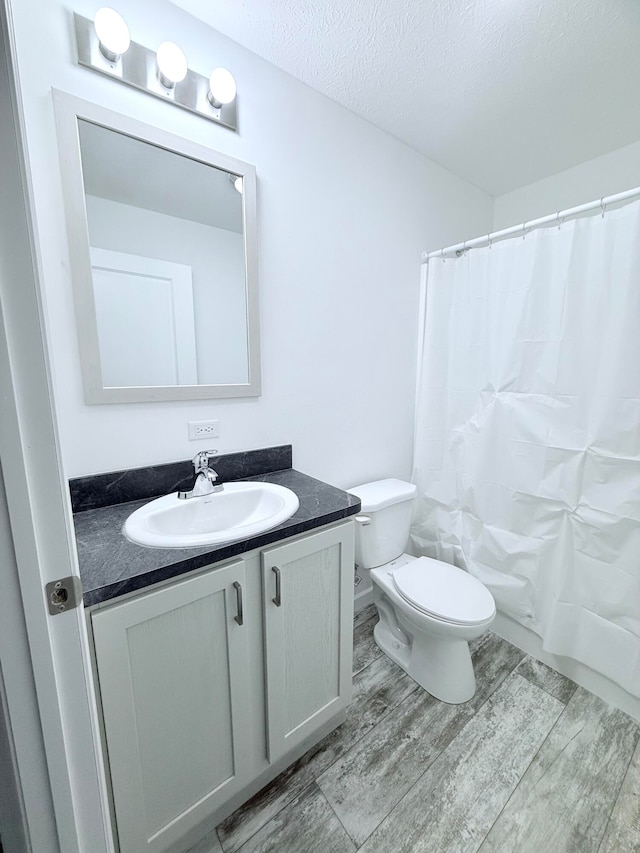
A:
(165, 290)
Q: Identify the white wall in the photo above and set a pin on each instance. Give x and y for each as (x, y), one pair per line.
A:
(344, 212)
(217, 269)
(612, 173)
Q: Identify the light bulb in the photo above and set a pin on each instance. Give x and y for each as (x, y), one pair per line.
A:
(237, 183)
(112, 32)
(172, 64)
(222, 87)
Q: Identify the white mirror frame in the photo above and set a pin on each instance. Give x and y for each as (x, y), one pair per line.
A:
(68, 111)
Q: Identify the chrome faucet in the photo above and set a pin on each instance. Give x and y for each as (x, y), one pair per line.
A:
(206, 477)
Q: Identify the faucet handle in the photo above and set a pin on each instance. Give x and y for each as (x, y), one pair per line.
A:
(201, 460)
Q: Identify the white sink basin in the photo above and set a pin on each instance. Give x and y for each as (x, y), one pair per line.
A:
(239, 511)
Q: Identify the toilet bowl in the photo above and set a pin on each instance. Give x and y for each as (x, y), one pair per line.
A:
(428, 610)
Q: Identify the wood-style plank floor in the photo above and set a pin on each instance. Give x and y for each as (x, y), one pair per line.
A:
(532, 764)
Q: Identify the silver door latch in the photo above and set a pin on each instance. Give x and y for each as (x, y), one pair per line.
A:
(64, 594)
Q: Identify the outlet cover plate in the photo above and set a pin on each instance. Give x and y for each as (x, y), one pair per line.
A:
(199, 430)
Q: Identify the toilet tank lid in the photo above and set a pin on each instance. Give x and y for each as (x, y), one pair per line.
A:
(383, 493)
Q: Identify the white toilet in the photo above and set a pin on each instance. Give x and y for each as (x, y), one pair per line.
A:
(429, 610)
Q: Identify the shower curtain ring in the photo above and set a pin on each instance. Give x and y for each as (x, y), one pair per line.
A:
(442, 255)
(489, 240)
(524, 230)
(603, 206)
(560, 219)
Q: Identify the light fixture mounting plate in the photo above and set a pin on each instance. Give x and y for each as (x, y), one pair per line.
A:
(138, 68)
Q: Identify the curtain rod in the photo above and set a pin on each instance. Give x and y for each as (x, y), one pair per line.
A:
(525, 227)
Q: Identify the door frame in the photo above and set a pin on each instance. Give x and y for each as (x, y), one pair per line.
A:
(57, 751)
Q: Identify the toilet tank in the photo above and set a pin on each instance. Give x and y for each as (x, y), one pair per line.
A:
(387, 504)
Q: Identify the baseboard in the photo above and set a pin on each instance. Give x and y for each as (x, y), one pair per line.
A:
(507, 628)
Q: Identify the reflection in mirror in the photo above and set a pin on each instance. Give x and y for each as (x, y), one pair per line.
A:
(169, 281)
(167, 303)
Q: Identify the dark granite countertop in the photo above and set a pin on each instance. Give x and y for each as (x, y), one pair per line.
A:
(110, 565)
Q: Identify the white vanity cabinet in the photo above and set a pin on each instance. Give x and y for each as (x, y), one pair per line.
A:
(208, 686)
(308, 619)
(172, 671)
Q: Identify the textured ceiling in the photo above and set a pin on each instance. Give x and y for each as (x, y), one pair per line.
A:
(501, 92)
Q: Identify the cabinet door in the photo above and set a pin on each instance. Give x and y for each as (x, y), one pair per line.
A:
(308, 603)
(171, 666)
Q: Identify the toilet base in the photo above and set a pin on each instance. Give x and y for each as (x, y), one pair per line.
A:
(442, 667)
(435, 653)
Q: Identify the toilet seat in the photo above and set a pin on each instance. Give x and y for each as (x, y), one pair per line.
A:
(444, 592)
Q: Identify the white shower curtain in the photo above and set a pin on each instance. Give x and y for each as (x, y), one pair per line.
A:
(527, 443)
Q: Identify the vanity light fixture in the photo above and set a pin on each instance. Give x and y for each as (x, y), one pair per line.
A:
(112, 32)
(105, 46)
(172, 64)
(222, 87)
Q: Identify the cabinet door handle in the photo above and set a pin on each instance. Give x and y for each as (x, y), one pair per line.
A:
(278, 599)
(240, 617)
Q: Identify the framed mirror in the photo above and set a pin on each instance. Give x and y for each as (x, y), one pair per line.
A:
(163, 250)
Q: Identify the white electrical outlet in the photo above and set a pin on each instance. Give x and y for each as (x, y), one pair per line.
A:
(203, 429)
